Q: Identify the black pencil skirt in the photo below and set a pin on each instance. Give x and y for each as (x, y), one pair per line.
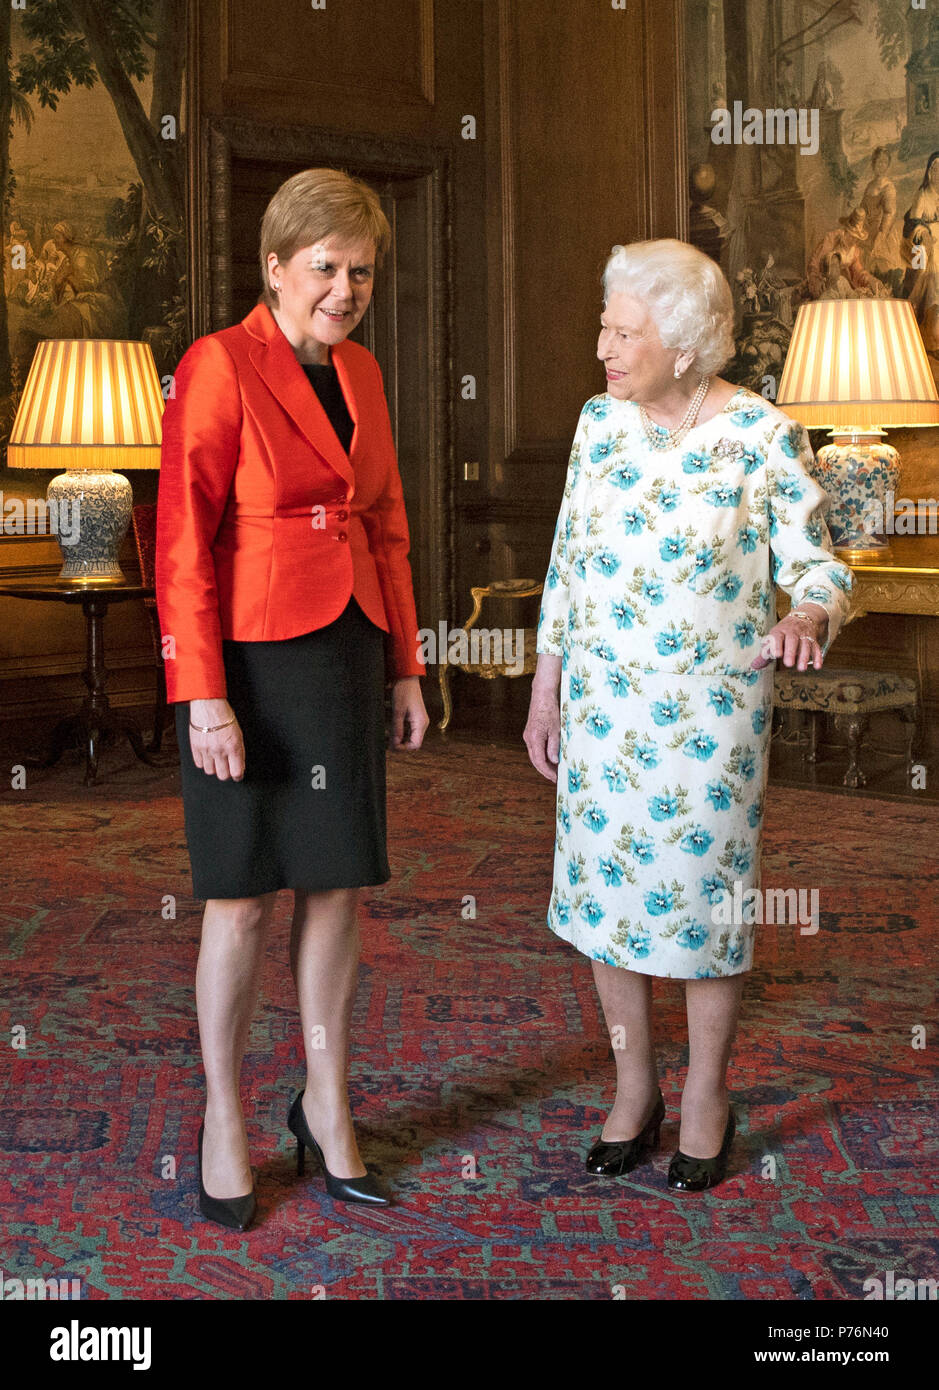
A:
(309, 812)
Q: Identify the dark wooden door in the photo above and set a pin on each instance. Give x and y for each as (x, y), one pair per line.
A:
(397, 328)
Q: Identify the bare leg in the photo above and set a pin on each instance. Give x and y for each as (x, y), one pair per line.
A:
(228, 975)
(626, 997)
(713, 1007)
(324, 956)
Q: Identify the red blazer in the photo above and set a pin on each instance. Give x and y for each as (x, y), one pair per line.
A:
(265, 526)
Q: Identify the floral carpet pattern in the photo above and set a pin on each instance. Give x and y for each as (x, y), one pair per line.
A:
(481, 1072)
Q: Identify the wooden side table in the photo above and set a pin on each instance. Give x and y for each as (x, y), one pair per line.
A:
(87, 728)
(907, 582)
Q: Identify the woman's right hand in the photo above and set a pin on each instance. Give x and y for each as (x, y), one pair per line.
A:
(221, 754)
(543, 731)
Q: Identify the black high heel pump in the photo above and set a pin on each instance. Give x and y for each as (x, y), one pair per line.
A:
(340, 1189)
(687, 1174)
(234, 1212)
(612, 1160)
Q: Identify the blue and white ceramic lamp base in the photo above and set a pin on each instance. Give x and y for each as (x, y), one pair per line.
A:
(94, 511)
(860, 472)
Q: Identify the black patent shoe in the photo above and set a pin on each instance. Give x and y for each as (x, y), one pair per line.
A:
(234, 1212)
(612, 1160)
(687, 1174)
(340, 1189)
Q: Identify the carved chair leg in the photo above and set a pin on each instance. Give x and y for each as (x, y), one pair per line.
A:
(910, 716)
(444, 677)
(794, 728)
(787, 731)
(811, 752)
(856, 726)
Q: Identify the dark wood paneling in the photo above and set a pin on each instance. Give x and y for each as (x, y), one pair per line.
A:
(377, 130)
(570, 138)
(350, 49)
(408, 323)
(356, 65)
(584, 149)
(577, 146)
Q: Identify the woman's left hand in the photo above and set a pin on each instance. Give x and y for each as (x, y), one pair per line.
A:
(407, 703)
(795, 641)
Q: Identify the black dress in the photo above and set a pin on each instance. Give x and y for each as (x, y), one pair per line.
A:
(309, 812)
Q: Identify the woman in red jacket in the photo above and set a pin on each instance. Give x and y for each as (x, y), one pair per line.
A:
(281, 565)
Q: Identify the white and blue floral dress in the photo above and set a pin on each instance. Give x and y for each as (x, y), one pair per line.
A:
(659, 590)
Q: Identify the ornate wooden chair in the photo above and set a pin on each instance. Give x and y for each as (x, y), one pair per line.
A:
(489, 669)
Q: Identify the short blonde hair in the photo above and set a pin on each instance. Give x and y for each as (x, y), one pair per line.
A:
(686, 293)
(318, 205)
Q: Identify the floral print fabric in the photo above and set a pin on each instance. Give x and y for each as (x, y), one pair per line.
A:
(658, 592)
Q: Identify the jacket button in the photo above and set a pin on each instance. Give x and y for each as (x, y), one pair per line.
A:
(341, 536)
(342, 516)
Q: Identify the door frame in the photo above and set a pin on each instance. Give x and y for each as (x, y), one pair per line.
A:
(223, 140)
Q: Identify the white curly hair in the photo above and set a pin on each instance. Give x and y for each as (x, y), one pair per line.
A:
(686, 293)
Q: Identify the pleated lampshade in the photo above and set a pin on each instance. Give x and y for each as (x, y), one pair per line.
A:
(89, 406)
(860, 363)
(89, 403)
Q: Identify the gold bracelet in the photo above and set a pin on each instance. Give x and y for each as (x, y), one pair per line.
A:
(211, 728)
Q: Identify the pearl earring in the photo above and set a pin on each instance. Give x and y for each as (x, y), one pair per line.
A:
(678, 374)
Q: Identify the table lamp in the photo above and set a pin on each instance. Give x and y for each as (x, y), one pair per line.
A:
(89, 405)
(856, 367)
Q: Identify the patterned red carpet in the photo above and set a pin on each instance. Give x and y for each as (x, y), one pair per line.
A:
(481, 1072)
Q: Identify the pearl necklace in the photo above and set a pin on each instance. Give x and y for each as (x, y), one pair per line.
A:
(661, 438)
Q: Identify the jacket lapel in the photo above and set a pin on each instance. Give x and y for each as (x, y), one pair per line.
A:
(276, 363)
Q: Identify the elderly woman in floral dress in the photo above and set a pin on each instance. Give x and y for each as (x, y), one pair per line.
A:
(687, 502)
